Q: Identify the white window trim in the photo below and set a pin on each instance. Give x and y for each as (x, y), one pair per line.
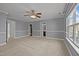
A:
(73, 45)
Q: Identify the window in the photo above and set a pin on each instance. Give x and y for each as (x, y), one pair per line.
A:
(72, 25)
(71, 32)
(76, 26)
(70, 21)
(76, 32)
(77, 13)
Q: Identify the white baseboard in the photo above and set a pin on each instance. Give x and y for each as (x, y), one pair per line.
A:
(2, 44)
(21, 36)
(37, 36)
(54, 38)
(48, 37)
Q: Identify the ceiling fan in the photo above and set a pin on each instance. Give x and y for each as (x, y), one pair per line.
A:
(33, 14)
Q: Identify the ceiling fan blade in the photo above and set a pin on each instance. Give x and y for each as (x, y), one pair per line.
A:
(38, 16)
(39, 13)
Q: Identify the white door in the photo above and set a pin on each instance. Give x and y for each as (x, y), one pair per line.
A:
(12, 29)
(8, 31)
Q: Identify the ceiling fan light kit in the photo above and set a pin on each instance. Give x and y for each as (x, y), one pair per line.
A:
(33, 16)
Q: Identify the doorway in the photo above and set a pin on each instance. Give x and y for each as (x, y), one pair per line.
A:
(30, 29)
(44, 29)
(10, 30)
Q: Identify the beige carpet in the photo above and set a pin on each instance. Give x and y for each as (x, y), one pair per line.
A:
(32, 46)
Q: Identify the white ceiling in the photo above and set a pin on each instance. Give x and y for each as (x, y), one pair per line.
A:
(17, 10)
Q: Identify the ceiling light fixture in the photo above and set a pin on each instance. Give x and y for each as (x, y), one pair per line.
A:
(33, 16)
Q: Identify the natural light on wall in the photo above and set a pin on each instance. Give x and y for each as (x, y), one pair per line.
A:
(72, 25)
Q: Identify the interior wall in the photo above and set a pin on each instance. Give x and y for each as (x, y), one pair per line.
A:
(2, 28)
(55, 28)
(17, 28)
(20, 28)
(35, 28)
(12, 28)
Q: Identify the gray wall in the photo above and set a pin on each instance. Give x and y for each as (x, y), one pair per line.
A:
(20, 29)
(2, 28)
(55, 28)
(35, 28)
